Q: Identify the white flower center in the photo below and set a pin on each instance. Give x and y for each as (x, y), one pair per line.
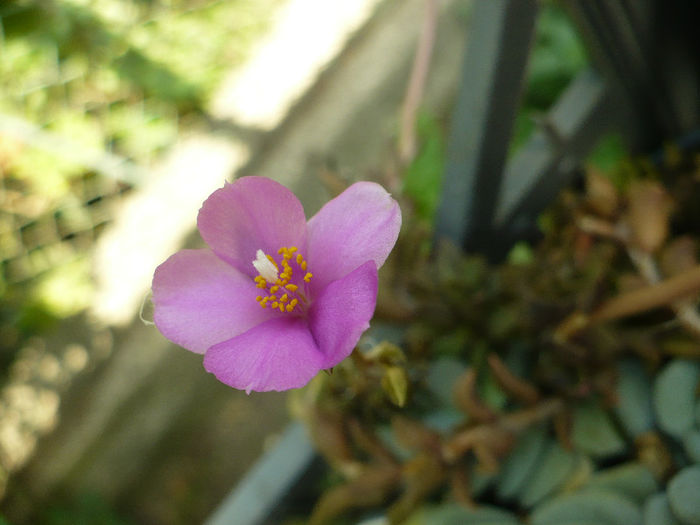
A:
(265, 267)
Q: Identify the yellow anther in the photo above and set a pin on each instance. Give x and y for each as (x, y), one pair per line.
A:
(263, 303)
(292, 287)
(303, 265)
(292, 249)
(293, 303)
(308, 277)
(284, 298)
(282, 308)
(272, 297)
(269, 258)
(261, 284)
(282, 250)
(299, 258)
(274, 288)
(258, 298)
(275, 304)
(290, 307)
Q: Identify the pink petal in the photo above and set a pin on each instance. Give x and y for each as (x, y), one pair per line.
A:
(359, 225)
(201, 300)
(277, 355)
(250, 214)
(342, 311)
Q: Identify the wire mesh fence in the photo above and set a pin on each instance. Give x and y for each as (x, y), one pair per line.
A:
(92, 92)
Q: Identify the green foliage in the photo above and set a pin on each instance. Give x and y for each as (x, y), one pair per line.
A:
(634, 410)
(608, 155)
(517, 395)
(557, 57)
(683, 490)
(116, 76)
(422, 179)
(88, 509)
(675, 393)
(589, 508)
(594, 433)
(458, 515)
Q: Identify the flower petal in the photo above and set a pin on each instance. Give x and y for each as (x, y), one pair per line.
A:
(359, 225)
(250, 214)
(277, 355)
(201, 300)
(342, 311)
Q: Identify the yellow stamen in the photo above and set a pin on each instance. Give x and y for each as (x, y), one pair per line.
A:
(279, 280)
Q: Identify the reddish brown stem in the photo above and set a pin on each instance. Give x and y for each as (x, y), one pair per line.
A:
(517, 387)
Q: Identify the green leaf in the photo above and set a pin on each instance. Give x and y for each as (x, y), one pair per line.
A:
(554, 469)
(594, 433)
(684, 495)
(634, 407)
(522, 461)
(441, 378)
(395, 384)
(632, 480)
(674, 396)
(691, 443)
(422, 181)
(599, 508)
(453, 514)
(657, 511)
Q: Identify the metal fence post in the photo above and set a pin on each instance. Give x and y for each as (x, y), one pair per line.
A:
(492, 80)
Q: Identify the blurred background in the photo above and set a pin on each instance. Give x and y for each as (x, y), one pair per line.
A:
(117, 119)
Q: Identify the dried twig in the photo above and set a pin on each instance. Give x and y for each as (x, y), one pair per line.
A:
(501, 430)
(674, 291)
(684, 309)
(468, 401)
(416, 84)
(519, 388)
(663, 293)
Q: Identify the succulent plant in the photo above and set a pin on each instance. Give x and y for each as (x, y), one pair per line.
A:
(558, 388)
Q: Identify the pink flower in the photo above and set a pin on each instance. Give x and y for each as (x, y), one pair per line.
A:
(275, 299)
